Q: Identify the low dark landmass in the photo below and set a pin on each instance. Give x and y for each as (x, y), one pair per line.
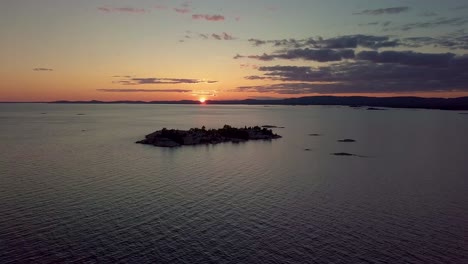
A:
(460, 103)
(196, 136)
(463, 113)
(347, 140)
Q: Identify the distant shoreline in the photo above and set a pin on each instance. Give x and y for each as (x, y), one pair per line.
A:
(457, 104)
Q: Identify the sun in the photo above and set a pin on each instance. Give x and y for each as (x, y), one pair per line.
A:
(202, 100)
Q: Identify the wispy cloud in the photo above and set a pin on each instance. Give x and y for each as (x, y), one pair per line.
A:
(428, 14)
(455, 21)
(155, 80)
(208, 17)
(182, 10)
(43, 69)
(204, 92)
(214, 36)
(130, 10)
(222, 36)
(160, 7)
(144, 90)
(462, 7)
(377, 23)
(453, 41)
(382, 11)
(248, 66)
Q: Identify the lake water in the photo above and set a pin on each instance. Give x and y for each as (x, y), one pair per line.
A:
(75, 188)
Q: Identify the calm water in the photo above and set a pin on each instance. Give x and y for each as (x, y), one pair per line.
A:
(75, 188)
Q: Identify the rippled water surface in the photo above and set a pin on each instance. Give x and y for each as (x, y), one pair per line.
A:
(75, 188)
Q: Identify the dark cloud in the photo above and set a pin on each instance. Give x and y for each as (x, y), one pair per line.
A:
(145, 90)
(450, 41)
(257, 42)
(139, 81)
(407, 58)
(320, 55)
(256, 77)
(122, 10)
(263, 57)
(455, 21)
(353, 41)
(382, 11)
(341, 42)
(208, 17)
(42, 69)
(281, 42)
(372, 72)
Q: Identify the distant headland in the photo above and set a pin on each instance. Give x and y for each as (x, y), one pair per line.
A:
(460, 103)
(197, 136)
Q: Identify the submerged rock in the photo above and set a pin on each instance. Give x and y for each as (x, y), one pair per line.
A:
(343, 154)
(346, 154)
(315, 135)
(347, 140)
(196, 136)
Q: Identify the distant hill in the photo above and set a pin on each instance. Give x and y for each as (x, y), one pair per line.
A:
(460, 103)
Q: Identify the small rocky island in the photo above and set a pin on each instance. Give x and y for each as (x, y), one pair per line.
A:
(196, 136)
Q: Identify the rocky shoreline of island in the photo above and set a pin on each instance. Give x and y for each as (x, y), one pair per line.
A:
(196, 136)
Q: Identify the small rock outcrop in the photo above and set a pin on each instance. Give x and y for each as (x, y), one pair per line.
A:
(343, 154)
(196, 136)
(347, 140)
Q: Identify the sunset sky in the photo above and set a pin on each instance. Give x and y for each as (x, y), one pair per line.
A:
(172, 50)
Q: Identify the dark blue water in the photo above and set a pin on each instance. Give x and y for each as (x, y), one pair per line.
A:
(74, 188)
